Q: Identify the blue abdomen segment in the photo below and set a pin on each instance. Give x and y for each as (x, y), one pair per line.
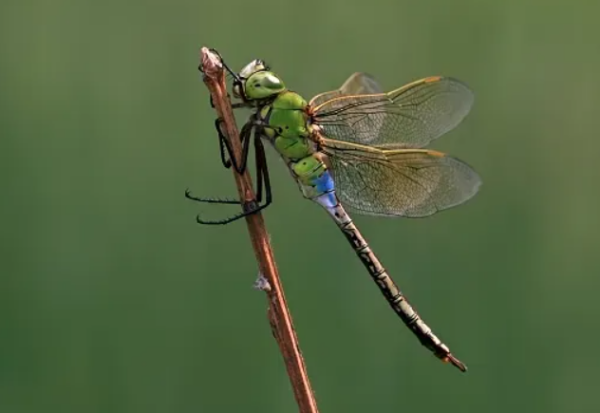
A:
(324, 183)
(325, 189)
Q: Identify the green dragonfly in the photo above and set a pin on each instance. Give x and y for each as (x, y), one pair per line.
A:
(362, 148)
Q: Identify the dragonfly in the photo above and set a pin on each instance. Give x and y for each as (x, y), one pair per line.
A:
(357, 147)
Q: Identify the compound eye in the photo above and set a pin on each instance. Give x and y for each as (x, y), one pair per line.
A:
(262, 85)
(271, 82)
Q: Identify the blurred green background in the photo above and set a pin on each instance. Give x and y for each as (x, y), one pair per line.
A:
(112, 298)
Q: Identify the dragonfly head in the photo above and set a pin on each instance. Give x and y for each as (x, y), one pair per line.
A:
(256, 82)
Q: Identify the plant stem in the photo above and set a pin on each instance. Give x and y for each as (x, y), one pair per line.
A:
(278, 312)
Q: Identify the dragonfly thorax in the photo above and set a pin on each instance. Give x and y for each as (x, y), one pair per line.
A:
(285, 122)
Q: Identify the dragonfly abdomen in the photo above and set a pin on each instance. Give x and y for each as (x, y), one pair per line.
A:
(386, 284)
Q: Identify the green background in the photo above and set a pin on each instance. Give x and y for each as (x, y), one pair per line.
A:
(112, 299)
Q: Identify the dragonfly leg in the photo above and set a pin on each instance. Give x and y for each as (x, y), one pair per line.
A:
(210, 200)
(236, 105)
(249, 208)
(225, 146)
(262, 172)
(263, 181)
(222, 142)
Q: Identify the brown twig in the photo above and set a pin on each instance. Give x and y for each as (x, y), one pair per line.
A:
(278, 313)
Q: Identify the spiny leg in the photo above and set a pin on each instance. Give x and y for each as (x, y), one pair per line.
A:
(209, 200)
(263, 179)
(226, 163)
(245, 137)
(225, 145)
(222, 139)
(235, 105)
(262, 172)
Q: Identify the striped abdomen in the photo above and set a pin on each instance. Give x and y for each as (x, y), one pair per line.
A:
(386, 285)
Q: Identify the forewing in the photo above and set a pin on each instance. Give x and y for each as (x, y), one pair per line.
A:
(409, 117)
(405, 182)
(357, 84)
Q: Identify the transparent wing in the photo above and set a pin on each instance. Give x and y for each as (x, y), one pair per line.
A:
(357, 84)
(409, 117)
(402, 182)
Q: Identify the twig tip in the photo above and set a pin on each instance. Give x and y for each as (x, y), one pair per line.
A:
(210, 62)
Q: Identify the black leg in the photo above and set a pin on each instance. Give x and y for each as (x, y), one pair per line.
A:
(222, 142)
(262, 174)
(227, 201)
(225, 145)
(245, 136)
(249, 208)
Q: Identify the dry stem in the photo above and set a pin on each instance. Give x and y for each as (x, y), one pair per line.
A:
(278, 313)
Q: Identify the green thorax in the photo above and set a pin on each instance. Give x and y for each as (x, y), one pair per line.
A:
(286, 124)
(284, 119)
